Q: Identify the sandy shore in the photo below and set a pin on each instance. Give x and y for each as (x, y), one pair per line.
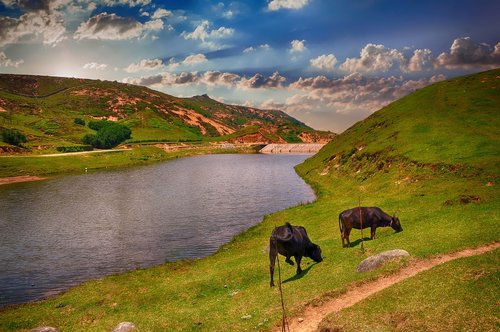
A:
(23, 178)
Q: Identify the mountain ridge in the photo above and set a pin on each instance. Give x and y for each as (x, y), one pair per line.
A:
(44, 107)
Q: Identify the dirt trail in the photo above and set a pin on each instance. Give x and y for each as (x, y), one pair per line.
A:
(312, 316)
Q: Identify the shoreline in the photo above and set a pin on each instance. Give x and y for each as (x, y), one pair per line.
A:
(21, 178)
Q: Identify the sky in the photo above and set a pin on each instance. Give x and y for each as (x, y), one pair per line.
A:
(328, 63)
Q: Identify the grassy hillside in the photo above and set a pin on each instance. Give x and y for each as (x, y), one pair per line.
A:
(44, 110)
(432, 157)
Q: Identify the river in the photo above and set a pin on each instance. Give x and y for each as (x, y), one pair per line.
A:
(57, 233)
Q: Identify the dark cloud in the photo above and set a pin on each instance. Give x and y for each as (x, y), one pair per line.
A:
(260, 81)
(466, 54)
(110, 27)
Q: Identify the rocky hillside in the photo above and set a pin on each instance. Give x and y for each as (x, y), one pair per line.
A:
(44, 108)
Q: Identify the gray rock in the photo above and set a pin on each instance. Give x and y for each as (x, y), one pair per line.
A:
(124, 327)
(44, 329)
(373, 262)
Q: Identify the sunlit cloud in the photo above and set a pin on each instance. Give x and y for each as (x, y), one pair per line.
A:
(6, 62)
(95, 65)
(286, 4)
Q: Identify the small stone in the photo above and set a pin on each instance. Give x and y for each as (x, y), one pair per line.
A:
(124, 327)
(246, 317)
(300, 319)
(44, 329)
(489, 184)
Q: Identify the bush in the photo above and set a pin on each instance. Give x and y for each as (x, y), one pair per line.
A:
(97, 125)
(108, 136)
(79, 121)
(13, 137)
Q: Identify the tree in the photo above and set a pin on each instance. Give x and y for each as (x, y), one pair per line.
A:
(13, 137)
(108, 135)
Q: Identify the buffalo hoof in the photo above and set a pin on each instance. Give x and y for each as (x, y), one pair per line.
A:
(289, 261)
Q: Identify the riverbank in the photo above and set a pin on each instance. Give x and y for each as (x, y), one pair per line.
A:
(22, 178)
(29, 168)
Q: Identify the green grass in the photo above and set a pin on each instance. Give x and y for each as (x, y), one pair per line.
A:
(458, 296)
(230, 290)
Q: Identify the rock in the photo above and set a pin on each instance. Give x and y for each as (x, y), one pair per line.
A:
(124, 327)
(44, 329)
(373, 262)
(300, 319)
(246, 317)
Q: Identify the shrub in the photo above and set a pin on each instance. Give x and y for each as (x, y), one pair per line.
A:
(79, 121)
(13, 137)
(75, 148)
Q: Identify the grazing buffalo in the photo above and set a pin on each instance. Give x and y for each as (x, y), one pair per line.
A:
(291, 241)
(372, 217)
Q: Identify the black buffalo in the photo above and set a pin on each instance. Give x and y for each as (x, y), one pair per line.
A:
(372, 217)
(291, 241)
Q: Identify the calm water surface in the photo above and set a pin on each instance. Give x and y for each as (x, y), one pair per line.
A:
(57, 233)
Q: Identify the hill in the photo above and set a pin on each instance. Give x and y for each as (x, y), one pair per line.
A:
(44, 109)
(431, 158)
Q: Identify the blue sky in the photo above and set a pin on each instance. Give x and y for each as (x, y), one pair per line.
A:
(327, 63)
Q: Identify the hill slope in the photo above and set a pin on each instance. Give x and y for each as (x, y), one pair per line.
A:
(44, 109)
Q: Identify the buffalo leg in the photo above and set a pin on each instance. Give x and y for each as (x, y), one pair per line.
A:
(373, 232)
(347, 233)
(272, 261)
(298, 259)
(288, 260)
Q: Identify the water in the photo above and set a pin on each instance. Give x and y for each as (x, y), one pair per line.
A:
(57, 233)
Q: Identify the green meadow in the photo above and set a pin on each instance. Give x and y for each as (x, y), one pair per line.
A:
(432, 158)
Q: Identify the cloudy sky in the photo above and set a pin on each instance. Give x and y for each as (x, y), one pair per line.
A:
(329, 63)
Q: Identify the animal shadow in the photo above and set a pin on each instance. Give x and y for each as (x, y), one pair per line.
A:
(299, 276)
(358, 242)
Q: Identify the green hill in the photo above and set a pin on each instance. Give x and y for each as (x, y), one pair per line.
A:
(431, 157)
(44, 110)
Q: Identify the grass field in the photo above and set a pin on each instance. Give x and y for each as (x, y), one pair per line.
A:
(445, 194)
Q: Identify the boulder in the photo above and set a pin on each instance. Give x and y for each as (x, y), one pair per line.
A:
(374, 262)
(124, 327)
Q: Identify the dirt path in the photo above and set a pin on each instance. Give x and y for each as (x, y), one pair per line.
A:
(312, 316)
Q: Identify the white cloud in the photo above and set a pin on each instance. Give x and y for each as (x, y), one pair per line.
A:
(145, 64)
(113, 27)
(49, 26)
(6, 62)
(297, 46)
(421, 60)
(130, 3)
(287, 4)
(373, 58)
(95, 66)
(228, 14)
(324, 62)
(466, 54)
(160, 13)
(253, 49)
(207, 36)
(153, 25)
(195, 59)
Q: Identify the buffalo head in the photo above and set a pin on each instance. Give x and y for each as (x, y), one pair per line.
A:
(396, 224)
(313, 251)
